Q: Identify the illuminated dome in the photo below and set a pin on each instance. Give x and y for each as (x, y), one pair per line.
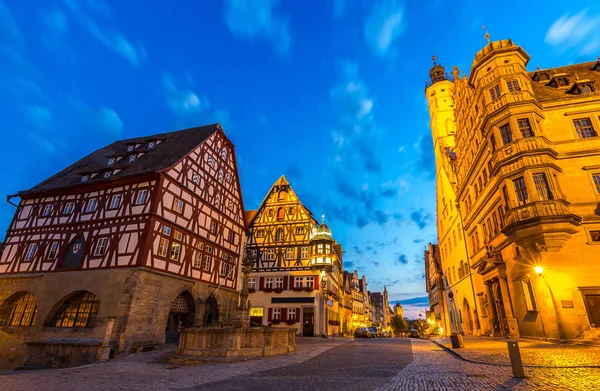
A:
(321, 232)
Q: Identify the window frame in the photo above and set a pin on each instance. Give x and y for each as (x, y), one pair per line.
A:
(94, 203)
(529, 296)
(178, 205)
(495, 92)
(269, 281)
(30, 253)
(101, 246)
(68, 209)
(47, 210)
(526, 131)
(214, 227)
(506, 133)
(513, 85)
(542, 189)
(142, 193)
(581, 128)
(119, 198)
(289, 253)
(52, 251)
(521, 191)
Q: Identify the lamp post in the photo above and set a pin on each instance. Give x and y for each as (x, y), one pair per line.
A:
(244, 306)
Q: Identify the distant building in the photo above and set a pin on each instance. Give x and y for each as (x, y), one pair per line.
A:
(519, 155)
(119, 250)
(297, 280)
(398, 310)
(434, 285)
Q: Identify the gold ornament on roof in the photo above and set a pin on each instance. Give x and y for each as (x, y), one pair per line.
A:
(487, 35)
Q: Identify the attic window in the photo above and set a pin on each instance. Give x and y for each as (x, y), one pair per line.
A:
(562, 82)
(196, 179)
(84, 178)
(131, 158)
(224, 153)
(111, 161)
(106, 174)
(130, 147)
(585, 89)
(151, 144)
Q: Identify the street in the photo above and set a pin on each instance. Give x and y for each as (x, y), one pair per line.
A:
(388, 364)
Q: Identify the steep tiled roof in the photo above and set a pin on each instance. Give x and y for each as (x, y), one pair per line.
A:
(249, 215)
(577, 73)
(172, 147)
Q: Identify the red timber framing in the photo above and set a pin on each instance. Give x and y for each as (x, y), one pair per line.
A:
(87, 218)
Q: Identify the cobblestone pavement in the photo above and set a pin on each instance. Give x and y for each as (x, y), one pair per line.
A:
(435, 369)
(533, 353)
(364, 364)
(144, 371)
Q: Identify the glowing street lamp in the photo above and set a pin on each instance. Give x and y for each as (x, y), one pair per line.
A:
(539, 270)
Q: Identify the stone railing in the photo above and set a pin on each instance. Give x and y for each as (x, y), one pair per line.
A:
(534, 209)
(237, 342)
(520, 145)
(506, 98)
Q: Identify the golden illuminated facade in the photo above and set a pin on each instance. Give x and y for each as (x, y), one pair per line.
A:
(526, 166)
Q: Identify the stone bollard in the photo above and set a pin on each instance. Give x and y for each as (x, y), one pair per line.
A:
(515, 359)
(457, 341)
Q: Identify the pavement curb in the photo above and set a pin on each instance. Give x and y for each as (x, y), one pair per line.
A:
(461, 357)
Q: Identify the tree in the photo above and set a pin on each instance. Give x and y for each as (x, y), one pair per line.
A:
(398, 325)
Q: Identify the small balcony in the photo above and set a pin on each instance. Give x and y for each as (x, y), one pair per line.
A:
(506, 99)
(532, 147)
(546, 222)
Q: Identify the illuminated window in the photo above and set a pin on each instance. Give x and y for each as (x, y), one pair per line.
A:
(163, 247)
(289, 253)
(269, 282)
(115, 201)
(291, 314)
(256, 311)
(47, 210)
(19, 311)
(91, 205)
(175, 251)
(278, 282)
(79, 311)
(178, 205)
(541, 185)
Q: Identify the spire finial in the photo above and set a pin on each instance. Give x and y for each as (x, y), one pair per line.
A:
(322, 219)
(434, 58)
(537, 67)
(487, 35)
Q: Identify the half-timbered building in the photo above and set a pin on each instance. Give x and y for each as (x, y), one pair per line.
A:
(297, 278)
(125, 246)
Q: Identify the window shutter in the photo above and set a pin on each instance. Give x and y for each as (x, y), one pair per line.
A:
(283, 314)
(270, 318)
(285, 283)
(316, 282)
(297, 314)
(261, 286)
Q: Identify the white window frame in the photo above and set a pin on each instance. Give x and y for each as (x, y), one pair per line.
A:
(198, 259)
(206, 265)
(175, 252)
(213, 227)
(115, 201)
(276, 314)
(223, 271)
(178, 206)
(269, 282)
(299, 230)
(271, 254)
(31, 251)
(68, 208)
(91, 205)
(298, 282)
(52, 250)
(47, 210)
(289, 253)
(291, 314)
(101, 247)
(252, 283)
(166, 230)
(163, 247)
(304, 252)
(310, 282)
(177, 235)
(278, 282)
(141, 197)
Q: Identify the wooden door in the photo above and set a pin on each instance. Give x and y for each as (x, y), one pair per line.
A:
(308, 320)
(592, 303)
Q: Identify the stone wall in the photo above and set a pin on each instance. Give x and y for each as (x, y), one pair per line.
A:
(133, 309)
(237, 342)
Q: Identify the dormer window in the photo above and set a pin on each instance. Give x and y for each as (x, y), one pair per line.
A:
(211, 162)
(84, 178)
(585, 89)
(563, 82)
(131, 158)
(196, 179)
(106, 174)
(130, 147)
(151, 144)
(111, 161)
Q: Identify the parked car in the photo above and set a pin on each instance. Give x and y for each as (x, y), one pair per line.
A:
(362, 332)
(413, 333)
(386, 334)
(376, 333)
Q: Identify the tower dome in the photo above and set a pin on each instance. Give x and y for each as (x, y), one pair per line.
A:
(321, 243)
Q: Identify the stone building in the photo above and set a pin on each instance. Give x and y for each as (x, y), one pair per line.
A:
(435, 287)
(297, 278)
(526, 177)
(119, 250)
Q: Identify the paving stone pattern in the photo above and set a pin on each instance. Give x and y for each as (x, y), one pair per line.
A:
(435, 369)
(533, 353)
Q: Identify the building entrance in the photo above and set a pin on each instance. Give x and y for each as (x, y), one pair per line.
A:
(181, 315)
(308, 320)
(592, 304)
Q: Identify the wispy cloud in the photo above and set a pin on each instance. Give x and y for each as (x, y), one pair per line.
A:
(56, 21)
(384, 25)
(578, 32)
(189, 107)
(258, 20)
(112, 39)
(339, 7)
(421, 218)
(109, 120)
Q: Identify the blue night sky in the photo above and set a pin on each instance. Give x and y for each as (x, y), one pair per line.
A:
(328, 93)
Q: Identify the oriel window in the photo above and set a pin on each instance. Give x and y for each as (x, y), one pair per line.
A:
(495, 92)
(525, 127)
(596, 178)
(521, 190)
(541, 186)
(513, 85)
(506, 133)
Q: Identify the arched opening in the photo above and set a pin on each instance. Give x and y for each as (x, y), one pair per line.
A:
(280, 214)
(74, 255)
(468, 319)
(282, 196)
(18, 310)
(211, 311)
(279, 235)
(78, 310)
(181, 314)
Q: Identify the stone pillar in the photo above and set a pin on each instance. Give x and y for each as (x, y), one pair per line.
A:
(513, 328)
(104, 350)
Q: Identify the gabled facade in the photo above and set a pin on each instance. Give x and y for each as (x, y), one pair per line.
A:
(435, 286)
(297, 278)
(141, 236)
